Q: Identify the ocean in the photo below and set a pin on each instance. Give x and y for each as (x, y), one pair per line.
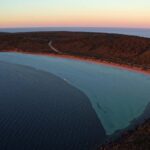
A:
(127, 31)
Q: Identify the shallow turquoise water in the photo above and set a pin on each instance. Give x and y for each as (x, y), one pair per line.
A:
(117, 96)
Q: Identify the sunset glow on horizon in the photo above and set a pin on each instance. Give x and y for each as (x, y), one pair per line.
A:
(83, 13)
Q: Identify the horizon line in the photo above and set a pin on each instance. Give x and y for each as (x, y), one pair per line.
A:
(107, 27)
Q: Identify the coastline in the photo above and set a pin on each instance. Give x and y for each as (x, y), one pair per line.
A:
(100, 62)
(122, 51)
(71, 48)
(90, 60)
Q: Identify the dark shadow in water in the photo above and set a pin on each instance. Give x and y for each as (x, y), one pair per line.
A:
(39, 111)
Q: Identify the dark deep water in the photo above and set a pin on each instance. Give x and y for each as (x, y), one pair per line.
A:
(39, 111)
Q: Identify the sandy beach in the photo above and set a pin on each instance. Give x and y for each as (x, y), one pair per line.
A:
(92, 60)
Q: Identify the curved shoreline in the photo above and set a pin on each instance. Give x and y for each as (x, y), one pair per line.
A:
(91, 60)
(88, 60)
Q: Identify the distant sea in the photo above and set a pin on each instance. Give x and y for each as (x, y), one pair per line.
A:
(127, 31)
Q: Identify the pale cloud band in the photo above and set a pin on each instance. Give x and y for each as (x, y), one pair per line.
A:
(122, 13)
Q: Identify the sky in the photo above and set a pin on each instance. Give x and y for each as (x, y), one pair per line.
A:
(72, 13)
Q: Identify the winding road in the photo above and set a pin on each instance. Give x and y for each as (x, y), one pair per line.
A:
(53, 48)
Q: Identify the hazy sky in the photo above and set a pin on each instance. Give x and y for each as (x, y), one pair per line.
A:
(99, 13)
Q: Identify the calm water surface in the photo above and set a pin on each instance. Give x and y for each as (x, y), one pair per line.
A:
(39, 111)
(117, 96)
(113, 92)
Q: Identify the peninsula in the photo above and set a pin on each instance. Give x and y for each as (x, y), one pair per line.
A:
(122, 50)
